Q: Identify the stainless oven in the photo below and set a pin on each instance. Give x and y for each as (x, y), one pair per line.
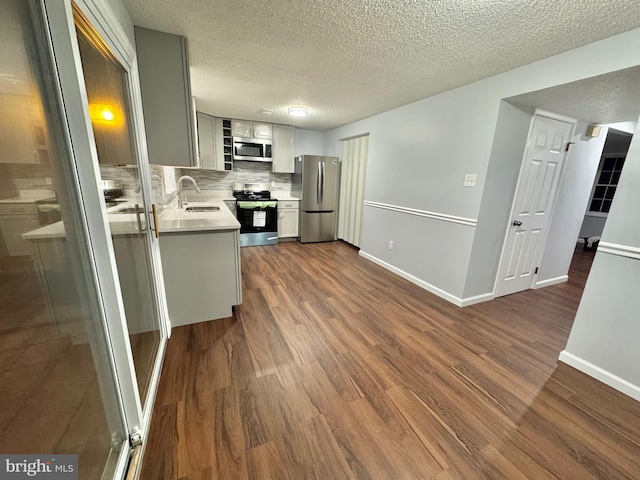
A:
(252, 149)
(258, 222)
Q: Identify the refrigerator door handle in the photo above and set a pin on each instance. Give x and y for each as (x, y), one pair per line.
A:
(322, 184)
(319, 183)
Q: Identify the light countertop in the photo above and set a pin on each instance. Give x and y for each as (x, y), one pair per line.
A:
(171, 220)
(175, 220)
(30, 196)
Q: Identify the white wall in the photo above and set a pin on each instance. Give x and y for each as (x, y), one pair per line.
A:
(308, 142)
(419, 153)
(604, 337)
(592, 226)
(509, 143)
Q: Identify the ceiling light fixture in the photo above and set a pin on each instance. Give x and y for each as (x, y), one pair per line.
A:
(102, 114)
(298, 111)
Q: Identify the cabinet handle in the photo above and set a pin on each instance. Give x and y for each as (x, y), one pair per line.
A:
(155, 220)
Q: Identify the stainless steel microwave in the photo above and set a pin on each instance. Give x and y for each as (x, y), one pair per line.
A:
(252, 149)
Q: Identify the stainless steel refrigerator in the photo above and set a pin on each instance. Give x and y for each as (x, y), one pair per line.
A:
(317, 181)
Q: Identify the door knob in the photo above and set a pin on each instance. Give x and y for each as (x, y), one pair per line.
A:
(516, 223)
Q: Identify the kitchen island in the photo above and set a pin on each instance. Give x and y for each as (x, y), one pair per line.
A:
(201, 262)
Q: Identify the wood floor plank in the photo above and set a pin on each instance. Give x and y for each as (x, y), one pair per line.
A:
(325, 458)
(227, 442)
(161, 460)
(404, 451)
(334, 368)
(264, 463)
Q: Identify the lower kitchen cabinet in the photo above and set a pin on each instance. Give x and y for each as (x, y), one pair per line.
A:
(16, 219)
(288, 218)
(201, 274)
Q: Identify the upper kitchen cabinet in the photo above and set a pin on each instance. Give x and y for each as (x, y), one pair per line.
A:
(283, 138)
(24, 137)
(214, 143)
(163, 62)
(248, 129)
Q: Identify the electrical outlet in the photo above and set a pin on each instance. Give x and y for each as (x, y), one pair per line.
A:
(470, 179)
(390, 244)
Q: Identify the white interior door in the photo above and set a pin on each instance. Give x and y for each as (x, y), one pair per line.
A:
(354, 162)
(534, 202)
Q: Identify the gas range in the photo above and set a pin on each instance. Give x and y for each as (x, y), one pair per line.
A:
(253, 191)
(257, 213)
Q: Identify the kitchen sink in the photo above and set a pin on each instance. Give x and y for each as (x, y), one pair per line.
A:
(129, 210)
(201, 208)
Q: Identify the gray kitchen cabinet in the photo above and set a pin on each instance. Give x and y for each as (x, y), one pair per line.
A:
(283, 139)
(16, 219)
(163, 63)
(288, 216)
(24, 137)
(209, 158)
(214, 143)
(249, 129)
(202, 274)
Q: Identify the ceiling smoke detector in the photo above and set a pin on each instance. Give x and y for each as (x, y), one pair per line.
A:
(298, 111)
(266, 111)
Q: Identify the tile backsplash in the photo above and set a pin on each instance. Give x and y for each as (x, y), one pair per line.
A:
(162, 181)
(243, 172)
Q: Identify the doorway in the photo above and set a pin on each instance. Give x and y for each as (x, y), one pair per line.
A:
(76, 376)
(612, 159)
(59, 391)
(352, 179)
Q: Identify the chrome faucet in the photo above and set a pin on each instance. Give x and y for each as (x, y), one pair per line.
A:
(181, 201)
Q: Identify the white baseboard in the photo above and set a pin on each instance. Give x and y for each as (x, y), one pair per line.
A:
(460, 302)
(407, 276)
(600, 374)
(485, 297)
(551, 281)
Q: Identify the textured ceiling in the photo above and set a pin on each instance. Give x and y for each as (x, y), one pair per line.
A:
(349, 59)
(610, 98)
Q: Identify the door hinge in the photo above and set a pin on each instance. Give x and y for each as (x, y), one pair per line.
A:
(568, 146)
(536, 271)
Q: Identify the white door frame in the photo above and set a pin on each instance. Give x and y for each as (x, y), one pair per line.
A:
(554, 116)
(65, 51)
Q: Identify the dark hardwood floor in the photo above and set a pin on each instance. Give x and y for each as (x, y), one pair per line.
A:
(334, 368)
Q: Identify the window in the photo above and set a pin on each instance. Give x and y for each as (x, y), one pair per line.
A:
(606, 183)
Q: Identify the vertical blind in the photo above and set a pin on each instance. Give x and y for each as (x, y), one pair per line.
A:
(354, 162)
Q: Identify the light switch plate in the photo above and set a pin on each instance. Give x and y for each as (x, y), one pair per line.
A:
(470, 179)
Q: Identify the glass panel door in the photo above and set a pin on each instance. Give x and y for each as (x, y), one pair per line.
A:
(109, 109)
(58, 390)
